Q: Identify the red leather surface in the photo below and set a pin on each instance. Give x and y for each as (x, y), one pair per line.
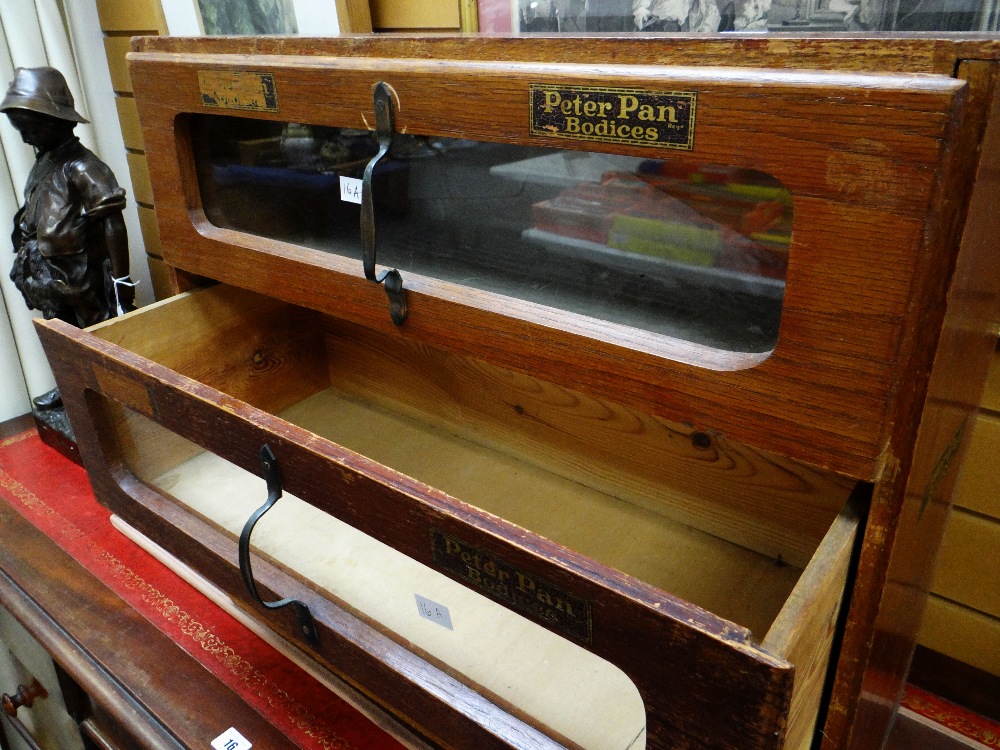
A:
(54, 494)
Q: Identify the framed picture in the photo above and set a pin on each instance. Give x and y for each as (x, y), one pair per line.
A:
(238, 17)
(247, 17)
(751, 15)
(641, 15)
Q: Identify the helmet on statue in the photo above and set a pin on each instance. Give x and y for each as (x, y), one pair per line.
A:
(42, 90)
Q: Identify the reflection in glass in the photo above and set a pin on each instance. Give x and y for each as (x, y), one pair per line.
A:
(693, 251)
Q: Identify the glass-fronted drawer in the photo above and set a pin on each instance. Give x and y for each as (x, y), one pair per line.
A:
(736, 248)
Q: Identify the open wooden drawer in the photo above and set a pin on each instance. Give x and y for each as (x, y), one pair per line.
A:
(611, 580)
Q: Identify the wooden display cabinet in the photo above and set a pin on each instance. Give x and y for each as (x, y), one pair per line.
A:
(647, 438)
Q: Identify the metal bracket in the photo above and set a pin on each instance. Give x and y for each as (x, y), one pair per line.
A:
(384, 131)
(307, 625)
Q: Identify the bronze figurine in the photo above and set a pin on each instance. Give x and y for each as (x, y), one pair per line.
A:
(69, 236)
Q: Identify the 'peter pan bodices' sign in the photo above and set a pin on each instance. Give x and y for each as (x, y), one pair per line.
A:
(663, 119)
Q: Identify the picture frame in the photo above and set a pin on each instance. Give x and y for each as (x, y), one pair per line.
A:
(319, 17)
(246, 17)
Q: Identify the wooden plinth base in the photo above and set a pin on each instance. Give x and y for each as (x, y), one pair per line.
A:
(55, 430)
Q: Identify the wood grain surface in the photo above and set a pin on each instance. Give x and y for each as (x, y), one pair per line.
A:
(761, 501)
(806, 629)
(905, 53)
(273, 355)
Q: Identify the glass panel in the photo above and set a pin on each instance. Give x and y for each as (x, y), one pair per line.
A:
(696, 252)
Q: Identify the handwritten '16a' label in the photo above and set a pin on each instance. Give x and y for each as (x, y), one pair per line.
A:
(433, 611)
(350, 189)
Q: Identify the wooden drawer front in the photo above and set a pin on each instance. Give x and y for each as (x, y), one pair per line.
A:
(23, 661)
(859, 153)
(702, 680)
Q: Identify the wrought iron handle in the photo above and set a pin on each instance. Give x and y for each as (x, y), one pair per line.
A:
(384, 130)
(25, 696)
(272, 475)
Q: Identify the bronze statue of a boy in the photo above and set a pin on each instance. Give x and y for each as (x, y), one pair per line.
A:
(69, 236)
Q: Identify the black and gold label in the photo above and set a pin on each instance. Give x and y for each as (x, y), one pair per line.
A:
(238, 89)
(524, 592)
(664, 119)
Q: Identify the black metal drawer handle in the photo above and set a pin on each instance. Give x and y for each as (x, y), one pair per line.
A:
(25, 696)
(272, 476)
(384, 130)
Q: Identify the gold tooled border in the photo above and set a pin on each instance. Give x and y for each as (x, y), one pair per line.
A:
(30, 500)
(16, 438)
(939, 712)
(255, 680)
